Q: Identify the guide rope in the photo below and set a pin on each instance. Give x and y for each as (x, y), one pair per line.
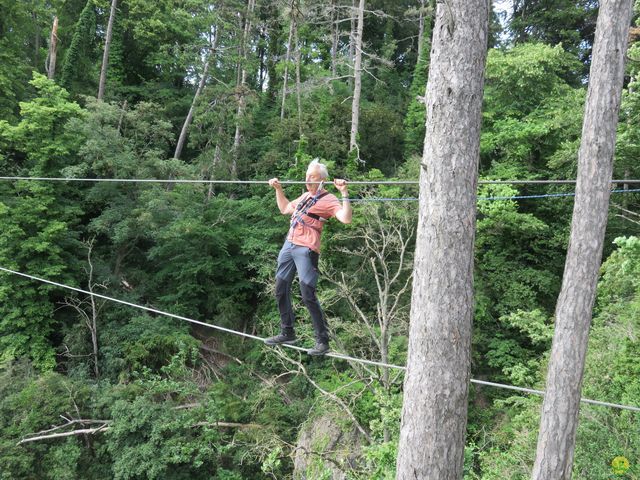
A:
(295, 347)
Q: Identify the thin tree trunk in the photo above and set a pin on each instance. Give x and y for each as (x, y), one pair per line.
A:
(384, 358)
(352, 37)
(357, 77)
(298, 93)
(93, 326)
(556, 439)
(434, 412)
(201, 84)
(107, 45)
(36, 43)
(287, 58)
(216, 160)
(53, 50)
(241, 89)
(123, 111)
(421, 29)
(334, 39)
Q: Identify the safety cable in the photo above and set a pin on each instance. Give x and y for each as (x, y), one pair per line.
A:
(512, 197)
(294, 182)
(295, 347)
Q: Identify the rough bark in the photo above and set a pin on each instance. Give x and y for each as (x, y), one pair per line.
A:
(201, 84)
(357, 79)
(556, 439)
(53, 50)
(107, 45)
(436, 385)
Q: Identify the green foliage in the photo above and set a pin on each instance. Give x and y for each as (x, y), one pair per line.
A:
(415, 120)
(35, 237)
(611, 374)
(144, 344)
(41, 137)
(569, 23)
(78, 70)
(208, 252)
(16, 53)
(531, 106)
(152, 439)
(33, 240)
(30, 403)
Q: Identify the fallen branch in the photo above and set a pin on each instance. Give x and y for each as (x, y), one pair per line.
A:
(83, 431)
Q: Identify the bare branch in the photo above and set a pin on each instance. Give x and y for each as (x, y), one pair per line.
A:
(620, 207)
(331, 395)
(83, 431)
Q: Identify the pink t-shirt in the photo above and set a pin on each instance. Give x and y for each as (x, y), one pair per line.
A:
(308, 234)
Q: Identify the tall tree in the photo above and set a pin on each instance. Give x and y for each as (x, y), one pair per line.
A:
(107, 44)
(556, 439)
(287, 59)
(82, 37)
(434, 412)
(53, 50)
(241, 85)
(357, 78)
(201, 85)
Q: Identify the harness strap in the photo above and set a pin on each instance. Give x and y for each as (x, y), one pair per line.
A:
(303, 209)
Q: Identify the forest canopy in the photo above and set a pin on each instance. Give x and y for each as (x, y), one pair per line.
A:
(250, 90)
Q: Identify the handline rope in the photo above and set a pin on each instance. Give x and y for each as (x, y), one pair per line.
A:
(294, 347)
(295, 182)
(513, 197)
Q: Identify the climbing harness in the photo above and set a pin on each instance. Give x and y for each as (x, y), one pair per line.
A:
(303, 208)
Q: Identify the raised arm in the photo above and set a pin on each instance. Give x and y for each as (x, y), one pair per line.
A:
(344, 214)
(284, 205)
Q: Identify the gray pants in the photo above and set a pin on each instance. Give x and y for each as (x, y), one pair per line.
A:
(294, 258)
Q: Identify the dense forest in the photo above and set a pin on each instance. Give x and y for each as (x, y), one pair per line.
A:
(249, 90)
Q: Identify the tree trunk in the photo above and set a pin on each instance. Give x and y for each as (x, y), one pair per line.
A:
(298, 92)
(107, 44)
(203, 81)
(216, 161)
(421, 29)
(556, 439)
(357, 80)
(334, 39)
(36, 40)
(241, 88)
(434, 414)
(286, 62)
(352, 37)
(93, 325)
(53, 50)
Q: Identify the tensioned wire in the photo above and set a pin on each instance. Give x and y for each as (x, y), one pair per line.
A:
(513, 197)
(293, 182)
(352, 199)
(294, 347)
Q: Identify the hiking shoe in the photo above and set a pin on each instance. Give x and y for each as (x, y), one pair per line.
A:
(281, 339)
(319, 349)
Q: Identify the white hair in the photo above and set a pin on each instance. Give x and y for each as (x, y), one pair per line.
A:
(322, 168)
